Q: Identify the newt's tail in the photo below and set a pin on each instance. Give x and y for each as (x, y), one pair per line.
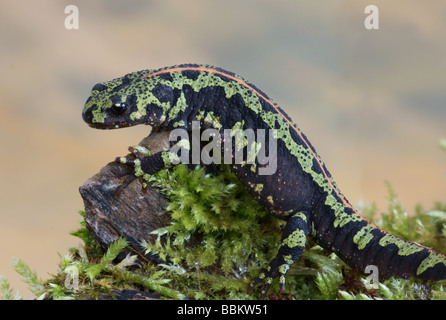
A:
(394, 256)
(361, 243)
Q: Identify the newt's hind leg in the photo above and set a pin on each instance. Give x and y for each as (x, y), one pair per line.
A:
(292, 246)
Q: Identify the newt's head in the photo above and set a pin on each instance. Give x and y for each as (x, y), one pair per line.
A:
(127, 101)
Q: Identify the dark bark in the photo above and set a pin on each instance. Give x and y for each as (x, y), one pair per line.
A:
(116, 205)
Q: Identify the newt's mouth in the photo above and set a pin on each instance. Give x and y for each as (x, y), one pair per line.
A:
(97, 118)
(108, 125)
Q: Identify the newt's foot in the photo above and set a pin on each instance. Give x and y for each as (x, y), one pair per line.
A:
(141, 155)
(268, 274)
(292, 247)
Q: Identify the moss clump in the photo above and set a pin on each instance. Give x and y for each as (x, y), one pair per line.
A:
(213, 220)
(211, 234)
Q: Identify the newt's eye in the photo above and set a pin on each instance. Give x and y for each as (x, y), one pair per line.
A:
(119, 108)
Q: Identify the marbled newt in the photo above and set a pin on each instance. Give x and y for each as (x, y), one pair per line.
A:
(299, 190)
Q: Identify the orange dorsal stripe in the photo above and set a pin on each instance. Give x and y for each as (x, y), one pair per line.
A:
(243, 83)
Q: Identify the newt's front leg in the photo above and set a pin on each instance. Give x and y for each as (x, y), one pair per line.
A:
(146, 163)
(292, 246)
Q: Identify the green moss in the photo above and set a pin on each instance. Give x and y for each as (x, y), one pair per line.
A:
(218, 240)
(213, 220)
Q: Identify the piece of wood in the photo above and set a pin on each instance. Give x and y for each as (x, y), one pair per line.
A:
(116, 205)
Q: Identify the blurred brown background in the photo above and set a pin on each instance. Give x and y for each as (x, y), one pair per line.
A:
(372, 102)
